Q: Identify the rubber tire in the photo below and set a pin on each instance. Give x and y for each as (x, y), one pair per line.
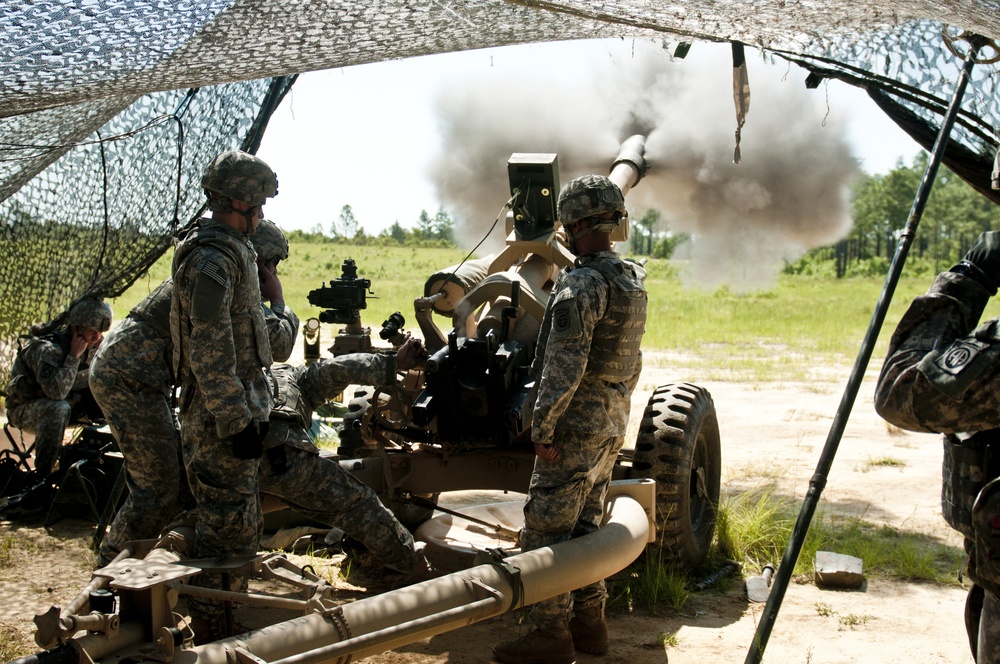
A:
(678, 444)
(351, 440)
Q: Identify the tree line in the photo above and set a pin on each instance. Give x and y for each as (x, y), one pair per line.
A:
(953, 218)
(437, 231)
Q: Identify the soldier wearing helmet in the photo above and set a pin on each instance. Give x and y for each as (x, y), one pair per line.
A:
(587, 363)
(133, 366)
(48, 382)
(282, 323)
(220, 348)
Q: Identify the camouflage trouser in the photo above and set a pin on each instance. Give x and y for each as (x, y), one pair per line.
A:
(47, 419)
(566, 499)
(982, 619)
(320, 489)
(225, 491)
(142, 421)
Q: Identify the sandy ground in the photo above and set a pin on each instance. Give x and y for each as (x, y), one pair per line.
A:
(771, 435)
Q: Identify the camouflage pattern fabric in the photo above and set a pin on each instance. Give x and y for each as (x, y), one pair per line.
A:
(319, 487)
(220, 347)
(941, 374)
(225, 491)
(566, 499)
(131, 381)
(584, 416)
(40, 394)
(988, 636)
(578, 302)
(218, 330)
(282, 328)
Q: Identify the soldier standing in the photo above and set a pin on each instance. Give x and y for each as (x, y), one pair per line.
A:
(588, 362)
(221, 346)
(132, 380)
(48, 382)
(293, 470)
(941, 375)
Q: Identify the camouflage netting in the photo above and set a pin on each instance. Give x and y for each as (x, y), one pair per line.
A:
(99, 160)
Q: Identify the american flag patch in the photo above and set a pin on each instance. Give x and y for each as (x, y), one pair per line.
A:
(215, 272)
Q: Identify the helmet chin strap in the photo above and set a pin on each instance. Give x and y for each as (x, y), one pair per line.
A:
(573, 237)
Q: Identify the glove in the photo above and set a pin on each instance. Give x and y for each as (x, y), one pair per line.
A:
(983, 261)
(249, 443)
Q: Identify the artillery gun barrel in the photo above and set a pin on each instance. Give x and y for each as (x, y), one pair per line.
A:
(630, 164)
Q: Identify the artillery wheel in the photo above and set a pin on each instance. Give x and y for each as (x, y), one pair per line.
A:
(678, 446)
(351, 439)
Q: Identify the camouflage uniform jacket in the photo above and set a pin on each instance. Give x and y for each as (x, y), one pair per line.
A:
(942, 372)
(44, 369)
(297, 391)
(282, 328)
(140, 347)
(588, 357)
(217, 327)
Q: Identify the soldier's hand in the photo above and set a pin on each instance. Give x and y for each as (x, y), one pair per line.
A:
(78, 344)
(411, 354)
(548, 453)
(984, 258)
(249, 443)
(270, 285)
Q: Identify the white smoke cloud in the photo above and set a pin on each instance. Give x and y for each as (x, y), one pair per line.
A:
(788, 194)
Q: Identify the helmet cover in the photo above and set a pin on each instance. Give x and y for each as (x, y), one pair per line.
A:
(92, 314)
(269, 242)
(239, 176)
(589, 196)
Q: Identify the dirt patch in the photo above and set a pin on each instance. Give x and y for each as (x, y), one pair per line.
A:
(771, 435)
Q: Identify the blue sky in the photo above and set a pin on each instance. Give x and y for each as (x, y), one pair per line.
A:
(368, 135)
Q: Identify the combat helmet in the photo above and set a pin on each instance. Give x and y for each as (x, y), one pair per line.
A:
(589, 196)
(238, 176)
(90, 313)
(269, 242)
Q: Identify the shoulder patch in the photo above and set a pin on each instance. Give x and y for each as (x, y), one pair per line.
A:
(953, 369)
(209, 292)
(212, 270)
(46, 371)
(566, 320)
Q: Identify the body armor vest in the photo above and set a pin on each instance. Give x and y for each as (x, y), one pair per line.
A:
(288, 403)
(154, 310)
(246, 313)
(23, 386)
(615, 354)
(969, 464)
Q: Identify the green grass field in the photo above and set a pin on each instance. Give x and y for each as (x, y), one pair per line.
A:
(776, 334)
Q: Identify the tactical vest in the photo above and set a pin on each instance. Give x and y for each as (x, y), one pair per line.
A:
(615, 350)
(288, 403)
(154, 310)
(246, 313)
(23, 386)
(969, 464)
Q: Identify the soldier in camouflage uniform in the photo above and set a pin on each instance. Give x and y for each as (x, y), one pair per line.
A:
(221, 347)
(942, 375)
(48, 382)
(588, 363)
(319, 487)
(132, 380)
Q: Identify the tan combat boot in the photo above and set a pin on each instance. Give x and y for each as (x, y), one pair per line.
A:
(539, 646)
(590, 630)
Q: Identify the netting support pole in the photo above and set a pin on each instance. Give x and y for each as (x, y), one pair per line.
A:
(818, 480)
(279, 88)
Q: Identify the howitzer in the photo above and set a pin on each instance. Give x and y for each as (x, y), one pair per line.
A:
(462, 423)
